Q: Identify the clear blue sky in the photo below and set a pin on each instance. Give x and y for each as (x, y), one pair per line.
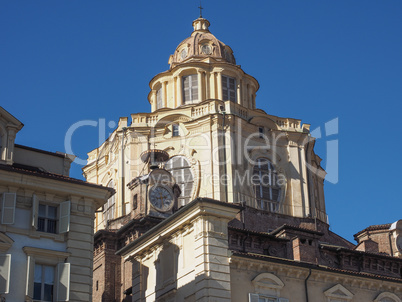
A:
(66, 61)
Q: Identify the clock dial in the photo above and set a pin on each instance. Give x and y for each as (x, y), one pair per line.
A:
(161, 198)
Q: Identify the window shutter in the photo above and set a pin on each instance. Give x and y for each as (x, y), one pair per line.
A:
(35, 207)
(8, 211)
(194, 88)
(63, 282)
(159, 98)
(64, 217)
(5, 262)
(30, 277)
(186, 89)
(253, 297)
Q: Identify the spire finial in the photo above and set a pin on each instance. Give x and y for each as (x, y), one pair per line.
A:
(201, 8)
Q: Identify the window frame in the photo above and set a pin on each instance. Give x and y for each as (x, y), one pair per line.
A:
(175, 130)
(43, 282)
(57, 259)
(182, 199)
(46, 219)
(252, 297)
(109, 207)
(268, 203)
(193, 93)
(63, 215)
(231, 93)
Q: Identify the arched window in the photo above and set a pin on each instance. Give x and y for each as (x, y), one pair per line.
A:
(267, 190)
(109, 207)
(190, 89)
(180, 169)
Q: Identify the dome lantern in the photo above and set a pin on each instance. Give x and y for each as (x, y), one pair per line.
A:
(202, 44)
(201, 25)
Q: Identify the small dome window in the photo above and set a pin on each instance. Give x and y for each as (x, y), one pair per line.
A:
(183, 53)
(206, 49)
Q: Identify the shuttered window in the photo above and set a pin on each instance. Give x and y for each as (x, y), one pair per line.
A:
(8, 209)
(50, 219)
(267, 190)
(159, 100)
(43, 282)
(46, 282)
(228, 89)
(190, 89)
(180, 169)
(109, 207)
(47, 218)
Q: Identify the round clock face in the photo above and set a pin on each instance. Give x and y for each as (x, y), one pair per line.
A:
(161, 198)
(183, 53)
(206, 49)
(399, 243)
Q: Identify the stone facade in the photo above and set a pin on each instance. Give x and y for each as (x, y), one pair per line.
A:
(240, 214)
(46, 229)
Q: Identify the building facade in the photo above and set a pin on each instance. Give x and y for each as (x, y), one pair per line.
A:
(219, 201)
(46, 227)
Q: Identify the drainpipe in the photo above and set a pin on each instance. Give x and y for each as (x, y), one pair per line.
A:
(305, 284)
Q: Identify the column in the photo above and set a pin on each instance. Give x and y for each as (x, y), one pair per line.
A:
(238, 92)
(219, 88)
(207, 85)
(164, 95)
(179, 91)
(200, 86)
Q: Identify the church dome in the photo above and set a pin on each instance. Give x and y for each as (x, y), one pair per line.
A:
(201, 45)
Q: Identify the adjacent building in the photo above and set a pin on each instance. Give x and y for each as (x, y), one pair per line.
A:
(217, 200)
(46, 223)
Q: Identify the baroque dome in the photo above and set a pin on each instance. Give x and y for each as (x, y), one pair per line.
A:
(200, 46)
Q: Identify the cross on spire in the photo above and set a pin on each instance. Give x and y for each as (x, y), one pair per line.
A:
(201, 8)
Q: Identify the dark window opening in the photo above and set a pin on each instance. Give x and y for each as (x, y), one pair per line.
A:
(175, 130)
(47, 219)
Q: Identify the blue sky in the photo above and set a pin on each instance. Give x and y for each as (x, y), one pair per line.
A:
(62, 62)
